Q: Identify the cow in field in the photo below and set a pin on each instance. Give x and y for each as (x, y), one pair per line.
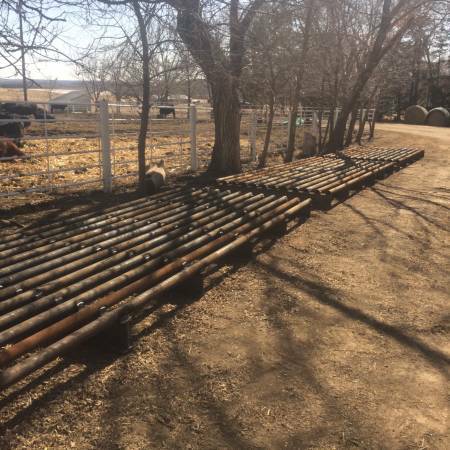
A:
(165, 111)
(10, 150)
(15, 117)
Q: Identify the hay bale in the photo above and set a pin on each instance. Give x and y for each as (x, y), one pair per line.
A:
(415, 115)
(438, 117)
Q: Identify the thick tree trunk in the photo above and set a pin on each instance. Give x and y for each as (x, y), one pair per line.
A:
(263, 157)
(226, 156)
(336, 141)
(222, 70)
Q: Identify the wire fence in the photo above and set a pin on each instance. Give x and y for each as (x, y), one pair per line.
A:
(94, 146)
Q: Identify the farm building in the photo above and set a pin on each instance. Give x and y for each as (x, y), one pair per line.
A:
(75, 101)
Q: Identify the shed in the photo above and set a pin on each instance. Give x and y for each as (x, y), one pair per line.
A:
(73, 101)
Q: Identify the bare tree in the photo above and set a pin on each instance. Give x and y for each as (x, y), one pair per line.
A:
(27, 28)
(381, 31)
(269, 64)
(202, 28)
(143, 17)
(307, 23)
(93, 72)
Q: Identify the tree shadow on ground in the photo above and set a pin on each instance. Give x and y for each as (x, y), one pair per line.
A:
(99, 352)
(63, 382)
(414, 195)
(63, 204)
(402, 205)
(328, 297)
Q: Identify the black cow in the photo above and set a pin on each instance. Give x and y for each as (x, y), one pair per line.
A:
(165, 111)
(15, 117)
(12, 127)
(24, 109)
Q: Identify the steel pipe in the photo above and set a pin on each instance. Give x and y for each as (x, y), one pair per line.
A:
(82, 219)
(96, 236)
(95, 246)
(121, 251)
(30, 364)
(110, 279)
(83, 232)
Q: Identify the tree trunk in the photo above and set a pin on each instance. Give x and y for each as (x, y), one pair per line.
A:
(189, 91)
(351, 128)
(142, 140)
(362, 125)
(263, 157)
(292, 130)
(299, 81)
(336, 141)
(226, 153)
(372, 127)
(379, 49)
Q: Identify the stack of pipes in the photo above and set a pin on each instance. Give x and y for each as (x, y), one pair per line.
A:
(64, 282)
(402, 155)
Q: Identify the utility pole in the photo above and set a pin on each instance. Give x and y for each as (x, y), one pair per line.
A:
(22, 52)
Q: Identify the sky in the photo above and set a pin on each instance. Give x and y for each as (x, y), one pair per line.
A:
(73, 37)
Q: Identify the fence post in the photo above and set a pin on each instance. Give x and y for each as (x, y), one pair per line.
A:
(252, 135)
(106, 146)
(193, 120)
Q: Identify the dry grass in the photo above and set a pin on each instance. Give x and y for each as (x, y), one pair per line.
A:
(58, 165)
(34, 95)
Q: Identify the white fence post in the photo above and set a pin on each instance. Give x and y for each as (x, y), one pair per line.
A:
(252, 134)
(193, 120)
(106, 146)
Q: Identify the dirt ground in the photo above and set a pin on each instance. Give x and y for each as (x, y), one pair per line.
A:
(336, 336)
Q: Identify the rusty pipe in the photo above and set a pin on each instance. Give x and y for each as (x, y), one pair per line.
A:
(83, 232)
(177, 224)
(65, 306)
(94, 237)
(108, 241)
(66, 325)
(46, 231)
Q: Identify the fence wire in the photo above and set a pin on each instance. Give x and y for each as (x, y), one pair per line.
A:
(63, 150)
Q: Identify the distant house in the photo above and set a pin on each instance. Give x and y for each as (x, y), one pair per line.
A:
(180, 98)
(73, 101)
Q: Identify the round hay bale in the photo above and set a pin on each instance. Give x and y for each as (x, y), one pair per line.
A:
(415, 115)
(438, 117)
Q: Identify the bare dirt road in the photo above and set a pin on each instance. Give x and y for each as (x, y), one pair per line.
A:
(337, 336)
